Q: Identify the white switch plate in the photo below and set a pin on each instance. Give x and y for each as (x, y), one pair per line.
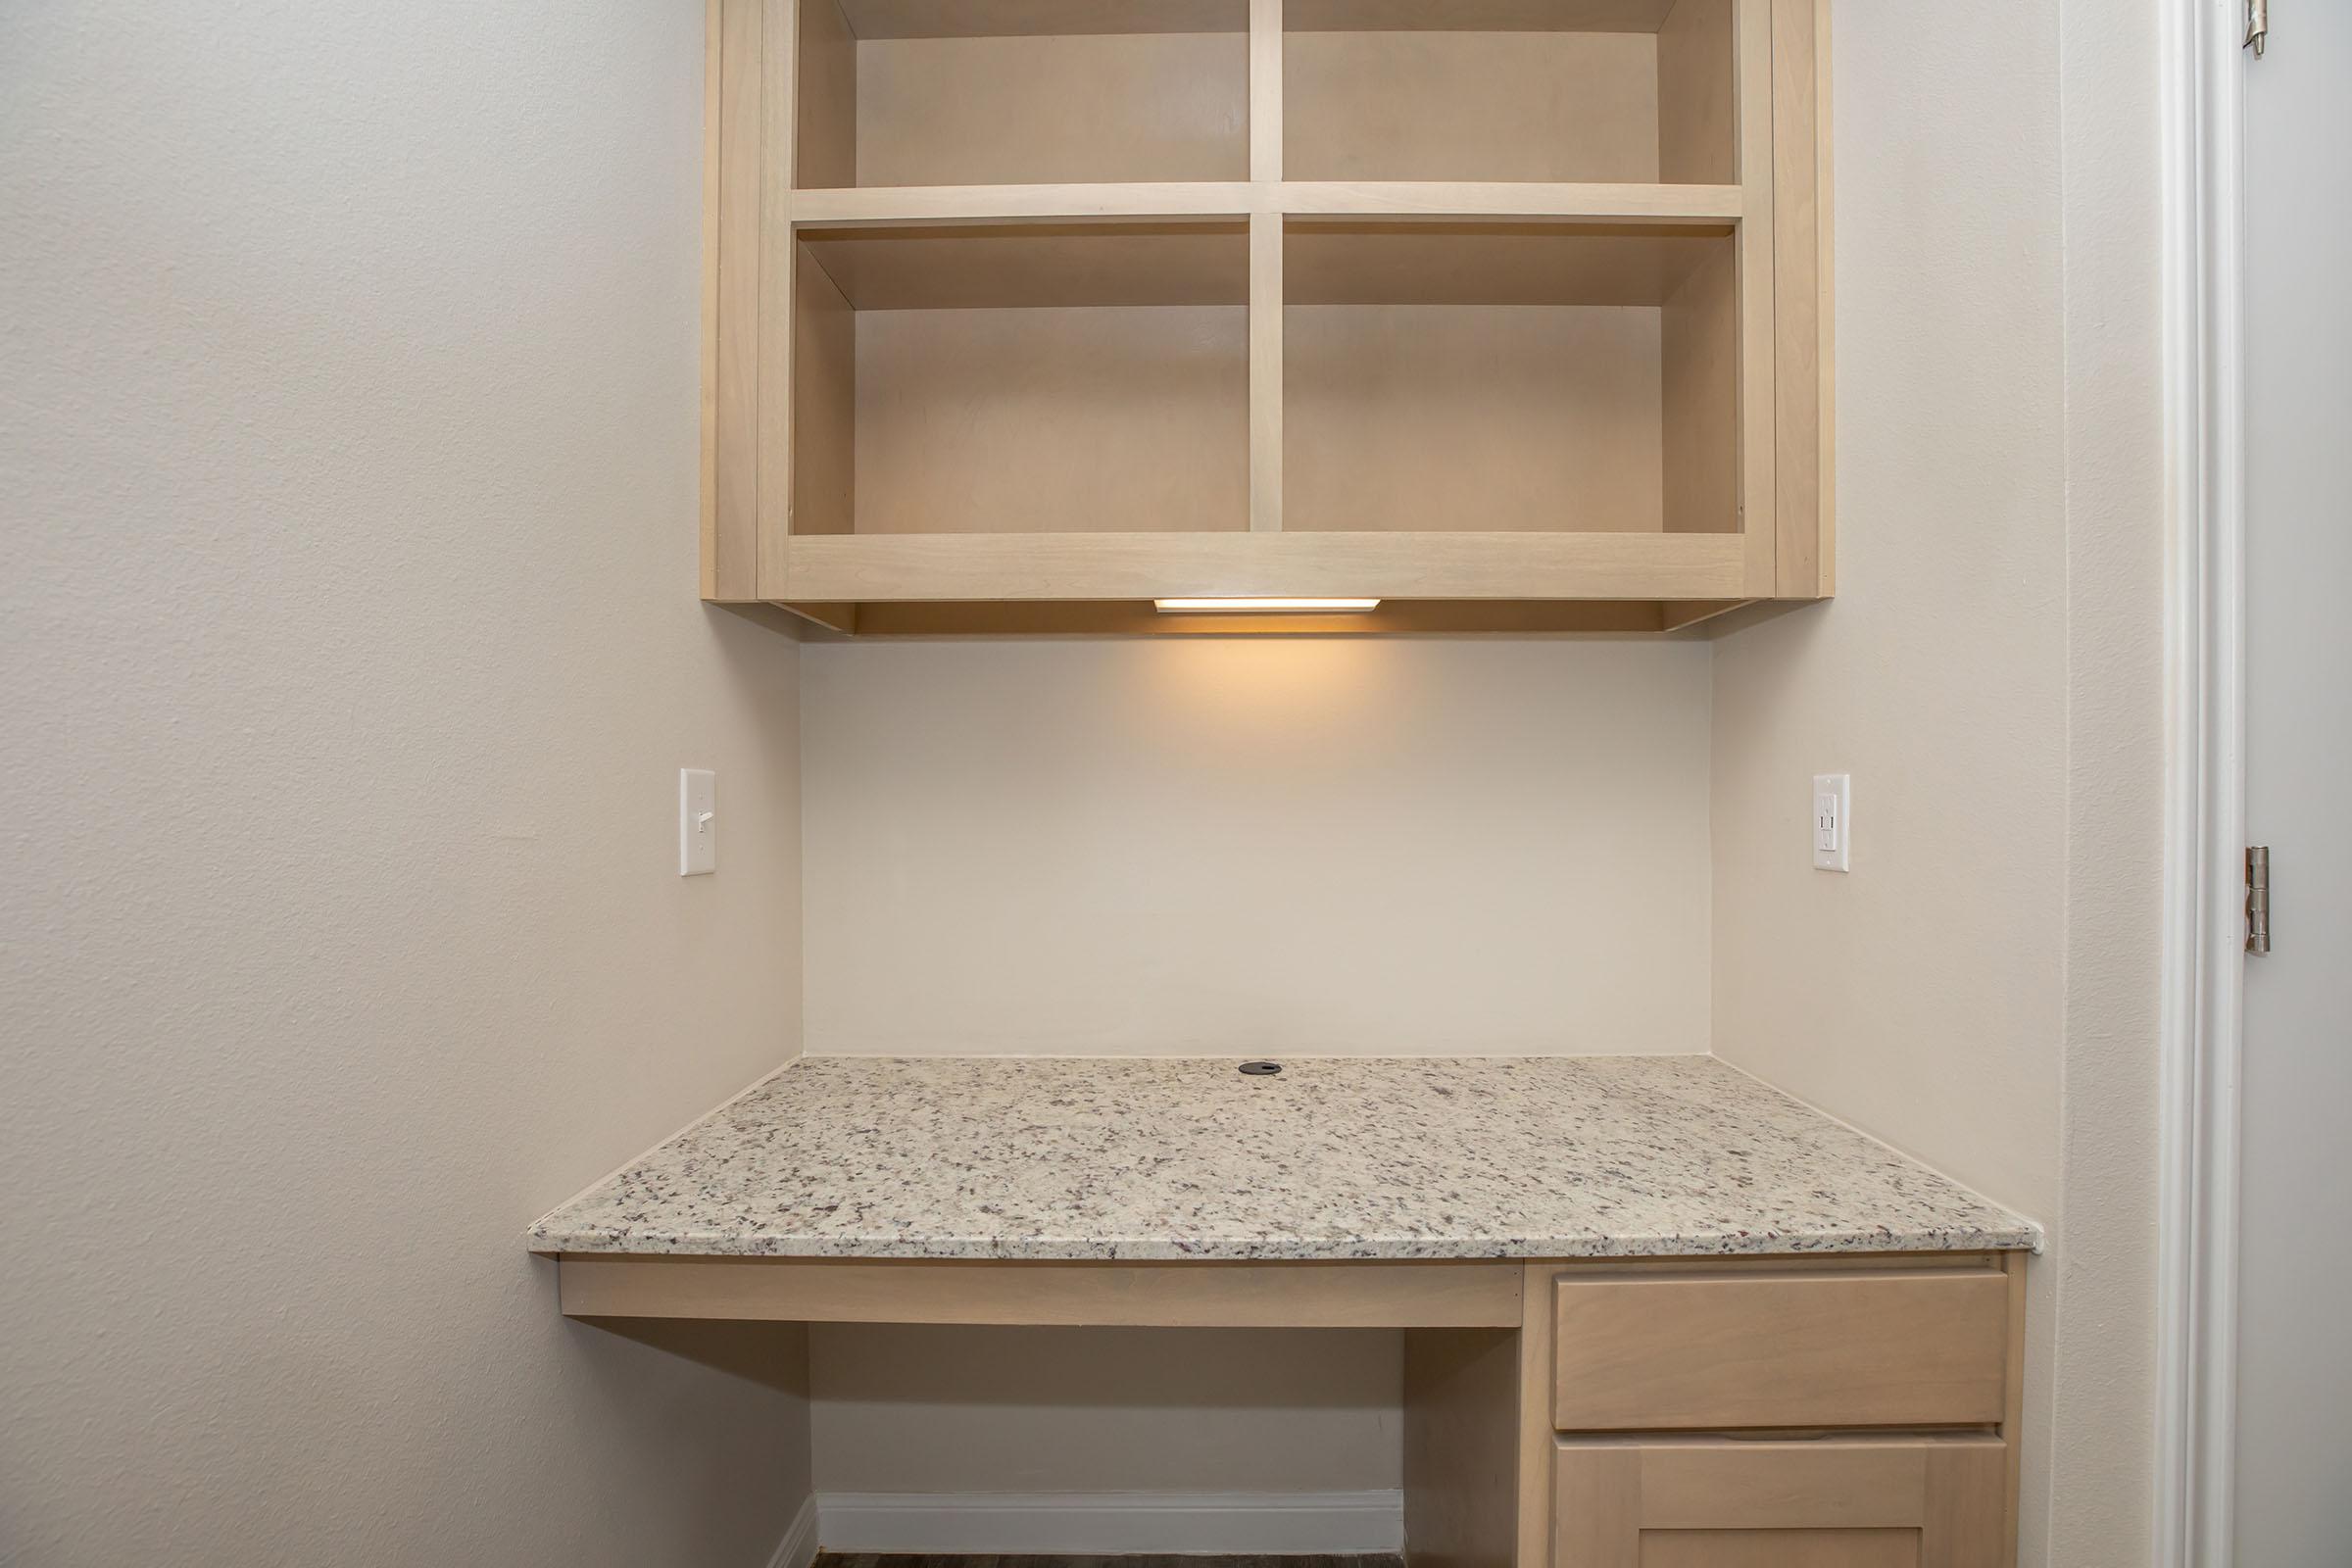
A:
(1833, 821)
(698, 821)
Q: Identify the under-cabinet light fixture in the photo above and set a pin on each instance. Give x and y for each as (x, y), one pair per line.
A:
(1266, 607)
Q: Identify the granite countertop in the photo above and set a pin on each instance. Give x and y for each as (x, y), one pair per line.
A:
(1055, 1158)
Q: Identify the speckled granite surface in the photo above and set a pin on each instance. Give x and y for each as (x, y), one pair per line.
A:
(1036, 1158)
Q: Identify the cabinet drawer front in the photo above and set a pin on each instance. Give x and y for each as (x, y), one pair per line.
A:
(1904, 1503)
(1695, 1351)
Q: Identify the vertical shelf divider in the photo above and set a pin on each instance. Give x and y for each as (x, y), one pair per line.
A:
(1265, 266)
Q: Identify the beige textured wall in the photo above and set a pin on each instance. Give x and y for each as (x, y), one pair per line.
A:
(348, 456)
(1924, 994)
(1325, 847)
(1981, 991)
(351, 658)
(1225, 1410)
(2102, 1361)
(1231, 846)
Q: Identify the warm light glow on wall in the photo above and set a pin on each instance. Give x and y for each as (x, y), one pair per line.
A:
(1266, 607)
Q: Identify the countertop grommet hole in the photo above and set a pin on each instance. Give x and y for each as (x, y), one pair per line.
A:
(1260, 1070)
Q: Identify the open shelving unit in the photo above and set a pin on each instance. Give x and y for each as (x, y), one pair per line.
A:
(1022, 313)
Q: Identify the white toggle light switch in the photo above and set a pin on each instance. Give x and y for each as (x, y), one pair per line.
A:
(1833, 821)
(698, 821)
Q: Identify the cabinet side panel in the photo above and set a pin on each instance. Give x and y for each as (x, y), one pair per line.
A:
(2012, 1437)
(713, 26)
(1798, 301)
(1825, 327)
(734, 567)
(780, 265)
(1536, 1462)
(1461, 1451)
(1758, 384)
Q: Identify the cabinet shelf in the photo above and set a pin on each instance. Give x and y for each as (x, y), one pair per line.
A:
(1139, 567)
(1445, 199)
(885, 206)
(1039, 265)
(1016, 324)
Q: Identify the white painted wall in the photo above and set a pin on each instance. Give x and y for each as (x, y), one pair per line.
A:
(347, 454)
(1320, 847)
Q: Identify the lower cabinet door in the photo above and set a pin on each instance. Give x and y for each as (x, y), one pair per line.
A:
(1833, 1503)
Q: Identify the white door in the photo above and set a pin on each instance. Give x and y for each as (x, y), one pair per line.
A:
(2294, 1460)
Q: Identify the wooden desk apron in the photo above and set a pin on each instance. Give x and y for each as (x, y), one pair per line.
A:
(1557, 1414)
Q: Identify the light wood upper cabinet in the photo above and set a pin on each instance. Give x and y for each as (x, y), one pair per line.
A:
(1022, 313)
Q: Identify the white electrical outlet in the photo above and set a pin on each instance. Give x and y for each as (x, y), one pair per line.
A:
(698, 821)
(1833, 821)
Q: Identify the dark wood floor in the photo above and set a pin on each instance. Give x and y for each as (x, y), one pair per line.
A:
(853, 1559)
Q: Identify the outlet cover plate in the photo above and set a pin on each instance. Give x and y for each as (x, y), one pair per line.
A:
(1833, 821)
(698, 821)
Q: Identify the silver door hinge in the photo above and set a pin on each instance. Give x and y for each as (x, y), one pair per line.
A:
(2258, 899)
(2258, 25)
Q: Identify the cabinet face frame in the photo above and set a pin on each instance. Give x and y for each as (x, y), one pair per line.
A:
(759, 130)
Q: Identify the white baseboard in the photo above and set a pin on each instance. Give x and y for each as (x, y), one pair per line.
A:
(1102, 1523)
(798, 1548)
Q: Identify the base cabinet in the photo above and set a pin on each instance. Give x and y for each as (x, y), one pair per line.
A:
(1850, 1411)
(1830, 1412)
(1912, 1502)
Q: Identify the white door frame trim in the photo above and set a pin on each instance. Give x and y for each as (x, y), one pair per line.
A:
(2203, 129)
